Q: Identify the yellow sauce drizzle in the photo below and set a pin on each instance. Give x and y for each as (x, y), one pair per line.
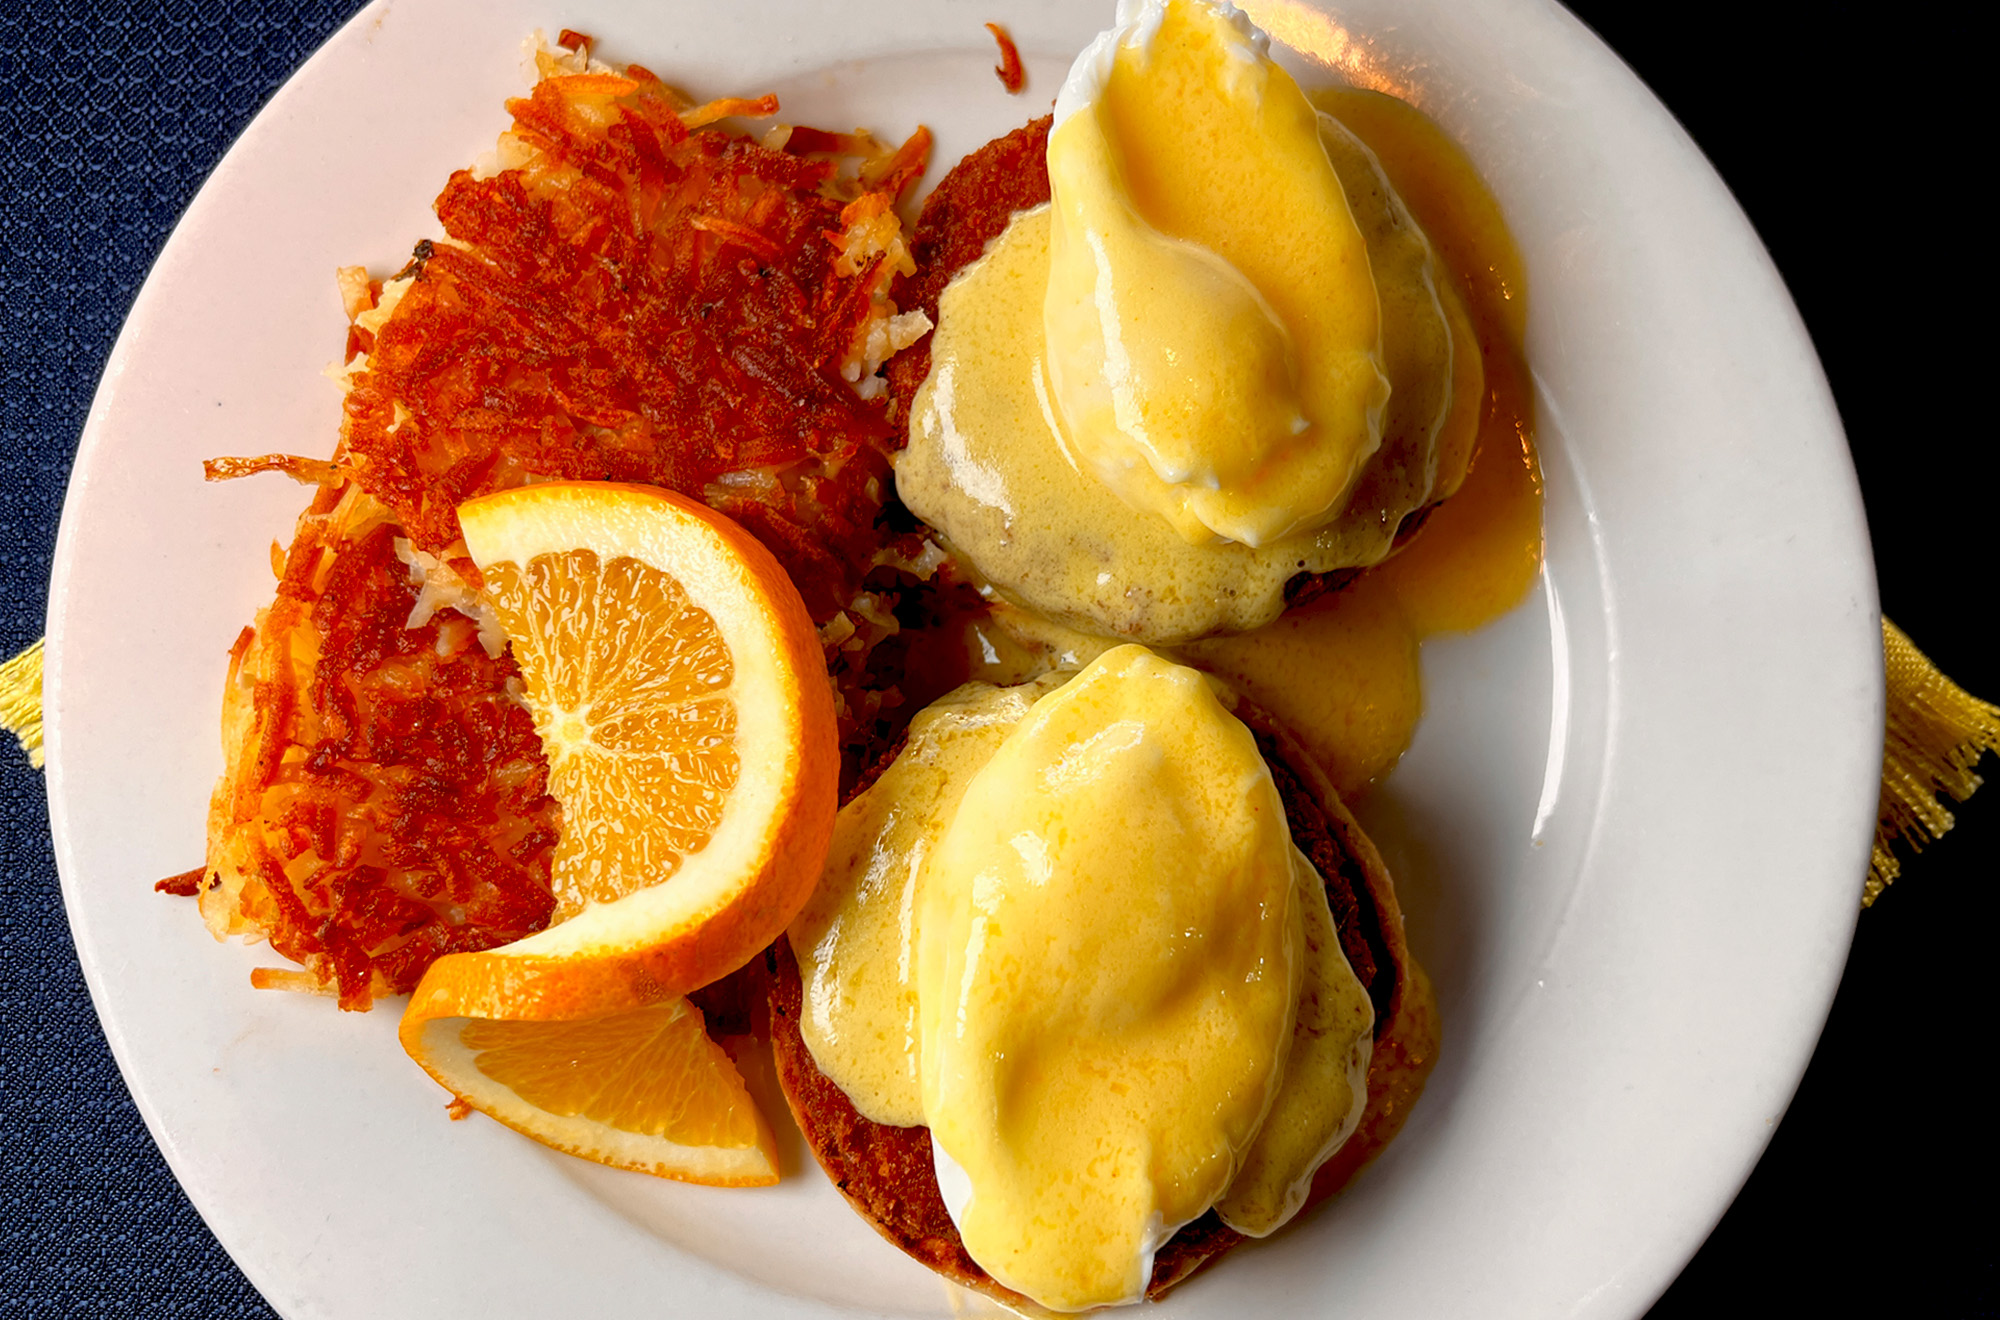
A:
(1342, 672)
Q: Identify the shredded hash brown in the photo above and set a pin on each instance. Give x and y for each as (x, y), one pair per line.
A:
(630, 290)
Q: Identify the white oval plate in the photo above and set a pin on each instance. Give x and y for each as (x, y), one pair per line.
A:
(1630, 834)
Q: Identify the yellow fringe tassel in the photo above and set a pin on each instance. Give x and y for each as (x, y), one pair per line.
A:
(21, 701)
(1936, 733)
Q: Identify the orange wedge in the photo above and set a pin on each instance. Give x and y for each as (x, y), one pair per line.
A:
(623, 1079)
(678, 687)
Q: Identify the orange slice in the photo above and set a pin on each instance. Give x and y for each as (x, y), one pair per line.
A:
(678, 687)
(622, 1078)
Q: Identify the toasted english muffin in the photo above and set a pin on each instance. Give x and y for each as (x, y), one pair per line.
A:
(1424, 456)
(887, 1173)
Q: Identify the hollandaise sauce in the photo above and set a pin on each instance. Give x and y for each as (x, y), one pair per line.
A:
(1149, 408)
(1069, 932)
(1342, 672)
(1251, 419)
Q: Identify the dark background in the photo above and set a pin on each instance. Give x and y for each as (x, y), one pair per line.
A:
(1846, 135)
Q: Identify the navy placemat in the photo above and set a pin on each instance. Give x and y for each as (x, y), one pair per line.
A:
(111, 115)
(1856, 172)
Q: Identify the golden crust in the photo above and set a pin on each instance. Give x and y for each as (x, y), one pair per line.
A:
(886, 1173)
(270, 667)
(1407, 1032)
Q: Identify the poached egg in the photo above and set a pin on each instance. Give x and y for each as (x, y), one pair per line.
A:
(1213, 330)
(1068, 931)
(1221, 356)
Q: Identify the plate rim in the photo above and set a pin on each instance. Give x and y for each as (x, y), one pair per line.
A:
(59, 785)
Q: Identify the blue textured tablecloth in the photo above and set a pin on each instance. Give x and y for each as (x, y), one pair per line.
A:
(112, 116)
(1848, 144)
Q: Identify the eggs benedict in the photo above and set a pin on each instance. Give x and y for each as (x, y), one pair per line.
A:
(1100, 979)
(1192, 350)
